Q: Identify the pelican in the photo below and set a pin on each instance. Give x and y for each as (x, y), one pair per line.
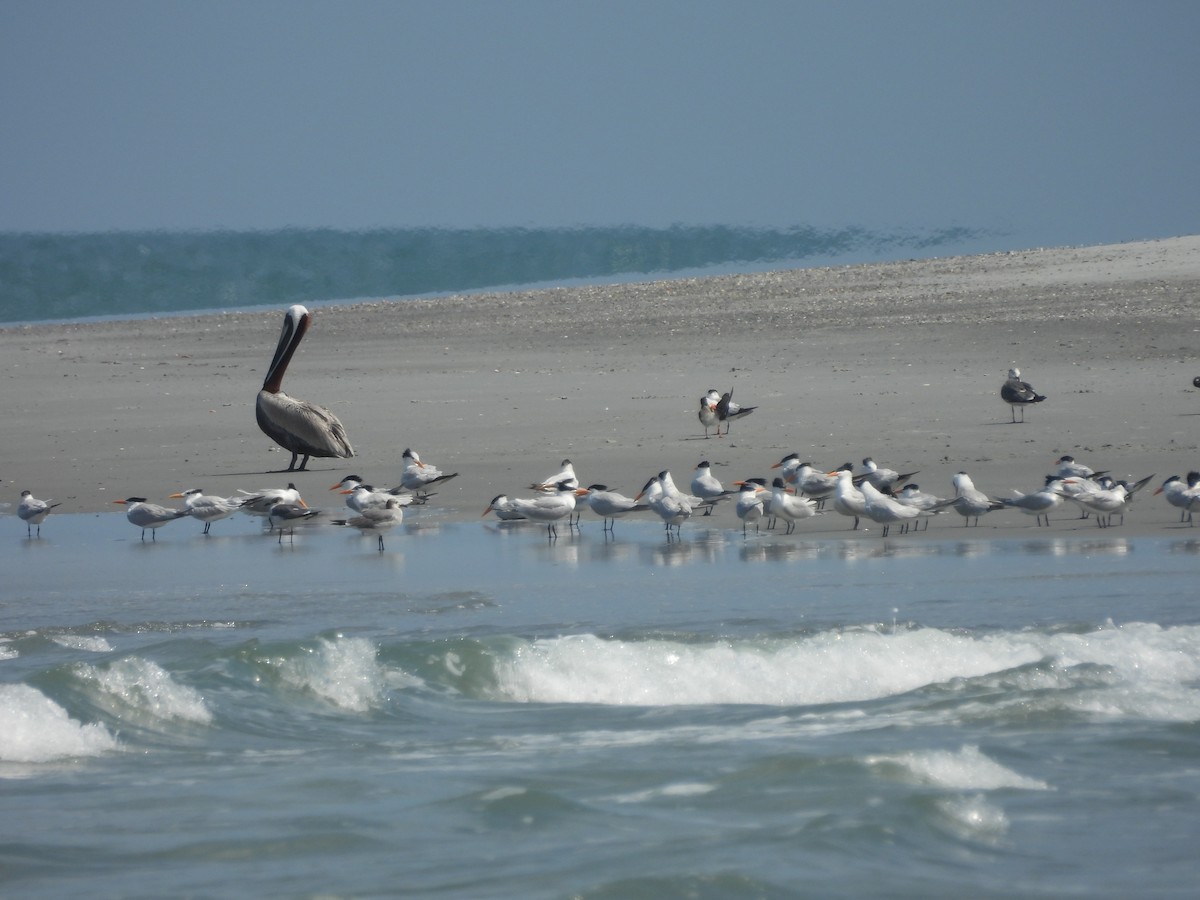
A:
(150, 515)
(34, 511)
(376, 519)
(297, 425)
(1018, 394)
(208, 508)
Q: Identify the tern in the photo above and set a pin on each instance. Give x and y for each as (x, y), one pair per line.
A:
(1040, 502)
(503, 507)
(290, 513)
(885, 510)
(749, 504)
(150, 515)
(848, 500)
(707, 486)
(361, 496)
(610, 505)
(208, 508)
(927, 505)
(376, 520)
(1183, 495)
(297, 425)
(727, 409)
(708, 413)
(788, 506)
(1018, 394)
(34, 511)
(1069, 468)
(881, 478)
(969, 502)
(667, 502)
(418, 476)
(549, 485)
(1102, 499)
(549, 508)
(259, 503)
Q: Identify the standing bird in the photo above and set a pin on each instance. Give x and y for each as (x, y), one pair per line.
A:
(297, 425)
(549, 508)
(376, 519)
(848, 500)
(290, 513)
(610, 505)
(788, 506)
(882, 479)
(708, 413)
(728, 410)
(969, 502)
(1183, 495)
(208, 508)
(1040, 502)
(668, 503)
(34, 511)
(749, 504)
(707, 486)
(260, 503)
(550, 485)
(418, 476)
(150, 515)
(1018, 394)
(927, 505)
(886, 510)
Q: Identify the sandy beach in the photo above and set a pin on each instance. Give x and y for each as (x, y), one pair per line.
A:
(901, 362)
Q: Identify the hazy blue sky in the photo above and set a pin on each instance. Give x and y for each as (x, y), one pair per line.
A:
(1071, 122)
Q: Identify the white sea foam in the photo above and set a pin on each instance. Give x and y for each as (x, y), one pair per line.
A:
(82, 642)
(968, 769)
(147, 688)
(849, 666)
(343, 672)
(33, 728)
(687, 789)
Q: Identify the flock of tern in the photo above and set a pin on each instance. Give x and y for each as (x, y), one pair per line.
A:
(800, 491)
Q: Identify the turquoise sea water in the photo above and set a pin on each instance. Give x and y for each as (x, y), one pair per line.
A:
(477, 712)
(73, 276)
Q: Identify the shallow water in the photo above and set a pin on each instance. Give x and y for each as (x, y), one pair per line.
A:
(478, 712)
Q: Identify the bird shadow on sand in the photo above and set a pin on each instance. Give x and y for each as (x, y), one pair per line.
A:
(265, 472)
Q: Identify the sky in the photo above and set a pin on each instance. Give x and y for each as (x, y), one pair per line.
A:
(1069, 121)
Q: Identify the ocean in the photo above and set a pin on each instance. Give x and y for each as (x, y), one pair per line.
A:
(57, 277)
(478, 712)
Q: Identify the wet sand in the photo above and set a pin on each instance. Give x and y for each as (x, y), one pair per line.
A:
(902, 362)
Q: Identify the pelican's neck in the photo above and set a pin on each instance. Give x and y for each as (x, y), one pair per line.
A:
(293, 331)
